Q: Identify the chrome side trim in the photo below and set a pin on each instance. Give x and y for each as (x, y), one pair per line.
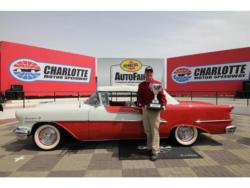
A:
(126, 120)
(213, 121)
(163, 121)
(119, 120)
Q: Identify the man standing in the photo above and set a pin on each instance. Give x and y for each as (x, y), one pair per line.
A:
(151, 118)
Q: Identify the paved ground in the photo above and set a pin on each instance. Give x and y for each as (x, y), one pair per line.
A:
(223, 156)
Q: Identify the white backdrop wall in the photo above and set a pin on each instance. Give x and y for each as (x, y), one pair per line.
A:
(128, 71)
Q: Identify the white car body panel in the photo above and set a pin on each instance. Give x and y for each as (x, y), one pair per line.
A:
(50, 112)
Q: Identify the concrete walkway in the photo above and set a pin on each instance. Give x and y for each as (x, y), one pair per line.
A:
(241, 111)
(222, 156)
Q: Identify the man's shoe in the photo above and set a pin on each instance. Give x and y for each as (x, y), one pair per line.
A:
(154, 157)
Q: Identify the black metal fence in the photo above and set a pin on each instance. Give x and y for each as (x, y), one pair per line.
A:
(55, 95)
(216, 95)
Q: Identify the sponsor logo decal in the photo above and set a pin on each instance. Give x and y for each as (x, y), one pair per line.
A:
(211, 73)
(128, 72)
(181, 74)
(28, 70)
(131, 65)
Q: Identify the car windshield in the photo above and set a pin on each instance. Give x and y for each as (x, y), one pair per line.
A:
(105, 98)
(120, 98)
(93, 100)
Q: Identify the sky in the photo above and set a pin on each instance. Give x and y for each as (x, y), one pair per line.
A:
(128, 34)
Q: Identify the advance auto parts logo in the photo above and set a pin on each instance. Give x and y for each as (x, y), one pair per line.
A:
(181, 75)
(131, 65)
(28, 70)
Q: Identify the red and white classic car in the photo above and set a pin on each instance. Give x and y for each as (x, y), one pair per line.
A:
(111, 114)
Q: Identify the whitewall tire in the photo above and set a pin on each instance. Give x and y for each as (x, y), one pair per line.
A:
(186, 135)
(47, 137)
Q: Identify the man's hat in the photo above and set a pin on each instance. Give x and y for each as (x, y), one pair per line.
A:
(149, 69)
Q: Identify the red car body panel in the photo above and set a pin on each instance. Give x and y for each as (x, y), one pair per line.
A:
(206, 117)
(79, 130)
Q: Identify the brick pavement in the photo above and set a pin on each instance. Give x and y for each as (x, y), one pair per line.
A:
(223, 156)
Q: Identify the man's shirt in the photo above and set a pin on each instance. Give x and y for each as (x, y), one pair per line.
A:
(145, 95)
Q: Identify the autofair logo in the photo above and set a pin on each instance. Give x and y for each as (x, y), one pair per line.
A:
(211, 73)
(181, 74)
(128, 72)
(131, 65)
(29, 70)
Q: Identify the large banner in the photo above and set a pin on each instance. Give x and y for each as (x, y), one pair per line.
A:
(46, 72)
(212, 73)
(128, 71)
(222, 71)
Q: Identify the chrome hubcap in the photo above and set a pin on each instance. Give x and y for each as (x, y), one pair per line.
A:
(48, 136)
(185, 133)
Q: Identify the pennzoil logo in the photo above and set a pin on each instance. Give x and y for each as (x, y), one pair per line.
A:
(25, 69)
(181, 74)
(131, 65)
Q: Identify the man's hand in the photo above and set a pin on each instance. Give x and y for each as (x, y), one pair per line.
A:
(164, 108)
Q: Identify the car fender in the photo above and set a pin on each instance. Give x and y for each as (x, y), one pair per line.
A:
(198, 127)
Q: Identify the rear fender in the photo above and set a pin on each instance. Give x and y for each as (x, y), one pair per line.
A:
(198, 127)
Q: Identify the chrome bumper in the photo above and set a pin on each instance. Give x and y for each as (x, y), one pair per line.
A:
(230, 129)
(22, 133)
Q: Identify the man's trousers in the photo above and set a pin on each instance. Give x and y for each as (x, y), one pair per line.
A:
(151, 123)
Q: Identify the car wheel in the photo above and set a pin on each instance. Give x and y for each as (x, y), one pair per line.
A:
(47, 137)
(186, 135)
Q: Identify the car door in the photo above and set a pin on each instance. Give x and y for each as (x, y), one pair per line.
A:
(115, 122)
(129, 121)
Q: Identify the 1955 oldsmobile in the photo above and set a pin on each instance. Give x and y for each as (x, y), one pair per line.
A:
(111, 114)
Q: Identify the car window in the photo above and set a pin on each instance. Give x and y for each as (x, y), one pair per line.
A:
(116, 98)
(104, 98)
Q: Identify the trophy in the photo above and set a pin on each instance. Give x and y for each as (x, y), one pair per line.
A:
(155, 104)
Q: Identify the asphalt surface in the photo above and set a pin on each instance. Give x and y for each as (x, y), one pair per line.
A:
(223, 156)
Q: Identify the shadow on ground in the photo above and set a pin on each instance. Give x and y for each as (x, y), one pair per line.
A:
(72, 146)
(244, 140)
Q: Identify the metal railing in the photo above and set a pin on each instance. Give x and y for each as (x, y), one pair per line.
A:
(53, 96)
(216, 95)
